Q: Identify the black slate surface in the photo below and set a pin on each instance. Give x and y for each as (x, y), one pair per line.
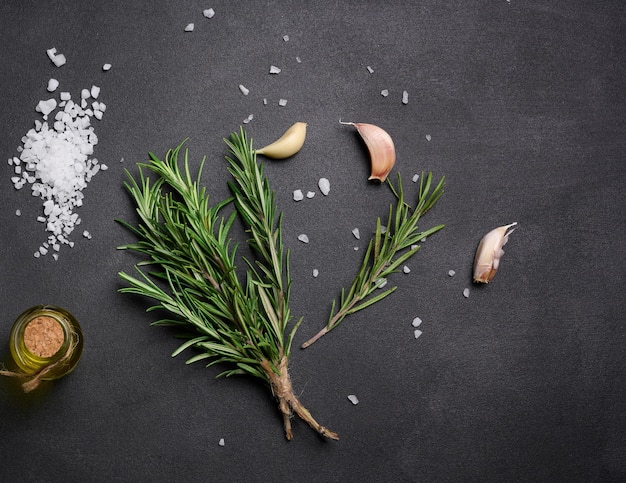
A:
(524, 105)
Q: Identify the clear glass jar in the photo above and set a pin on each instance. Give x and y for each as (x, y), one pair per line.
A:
(43, 336)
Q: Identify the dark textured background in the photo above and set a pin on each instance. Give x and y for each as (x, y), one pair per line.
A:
(525, 105)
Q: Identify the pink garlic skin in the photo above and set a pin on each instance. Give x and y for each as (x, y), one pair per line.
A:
(489, 252)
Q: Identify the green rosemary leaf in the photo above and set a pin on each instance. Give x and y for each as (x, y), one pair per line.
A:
(387, 250)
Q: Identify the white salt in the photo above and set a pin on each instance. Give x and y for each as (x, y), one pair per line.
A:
(384, 92)
(189, 27)
(324, 186)
(297, 195)
(95, 91)
(52, 85)
(406, 269)
(428, 137)
(310, 194)
(451, 273)
(356, 233)
(415, 178)
(405, 97)
(353, 399)
(370, 70)
(221, 442)
(417, 333)
(18, 213)
(303, 238)
(381, 282)
(316, 272)
(298, 60)
(286, 38)
(282, 102)
(274, 69)
(244, 90)
(106, 67)
(416, 322)
(466, 293)
(208, 13)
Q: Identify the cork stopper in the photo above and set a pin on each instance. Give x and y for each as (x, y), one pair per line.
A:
(43, 336)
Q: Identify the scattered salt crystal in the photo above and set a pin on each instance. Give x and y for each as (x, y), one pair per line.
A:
(451, 273)
(428, 137)
(221, 442)
(303, 238)
(298, 60)
(87, 235)
(248, 119)
(208, 13)
(286, 38)
(41, 219)
(46, 107)
(417, 333)
(297, 195)
(85, 94)
(415, 178)
(104, 167)
(106, 67)
(37, 254)
(282, 102)
(466, 293)
(381, 282)
(55, 256)
(324, 186)
(189, 27)
(316, 272)
(95, 92)
(18, 213)
(356, 233)
(52, 85)
(353, 399)
(370, 70)
(51, 53)
(356, 249)
(244, 90)
(274, 69)
(416, 322)
(264, 101)
(57, 59)
(405, 97)
(406, 269)
(384, 92)
(310, 194)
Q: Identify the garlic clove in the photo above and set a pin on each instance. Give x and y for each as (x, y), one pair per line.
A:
(489, 253)
(380, 146)
(288, 144)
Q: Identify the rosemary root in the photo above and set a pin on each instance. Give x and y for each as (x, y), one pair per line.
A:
(288, 402)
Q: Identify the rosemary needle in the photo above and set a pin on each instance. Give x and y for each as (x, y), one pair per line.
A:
(191, 269)
(390, 247)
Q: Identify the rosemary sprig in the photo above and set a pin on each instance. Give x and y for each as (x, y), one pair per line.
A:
(390, 247)
(191, 259)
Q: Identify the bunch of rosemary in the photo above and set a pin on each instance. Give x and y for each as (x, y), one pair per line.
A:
(192, 272)
(390, 247)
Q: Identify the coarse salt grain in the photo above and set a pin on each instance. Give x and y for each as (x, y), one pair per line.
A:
(189, 27)
(274, 69)
(316, 272)
(310, 194)
(282, 102)
(208, 13)
(384, 92)
(303, 238)
(428, 137)
(106, 67)
(356, 233)
(451, 273)
(324, 186)
(353, 399)
(297, 195)
(466, 293)
(370, 70)
(52, 85)
(417, 333)
(221, 442)
(405, 97)
(416, 322)
(244, 90)
(415, 178)
(406, 269)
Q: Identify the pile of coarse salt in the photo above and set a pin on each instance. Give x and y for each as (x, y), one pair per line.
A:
(55, 160)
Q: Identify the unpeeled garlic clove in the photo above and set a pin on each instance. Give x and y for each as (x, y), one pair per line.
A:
(489, 252)
(380, 146)
(288, 144)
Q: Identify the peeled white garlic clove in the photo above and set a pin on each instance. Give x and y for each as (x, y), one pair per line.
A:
(489, 252)
(380, 146)
(288, 144)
